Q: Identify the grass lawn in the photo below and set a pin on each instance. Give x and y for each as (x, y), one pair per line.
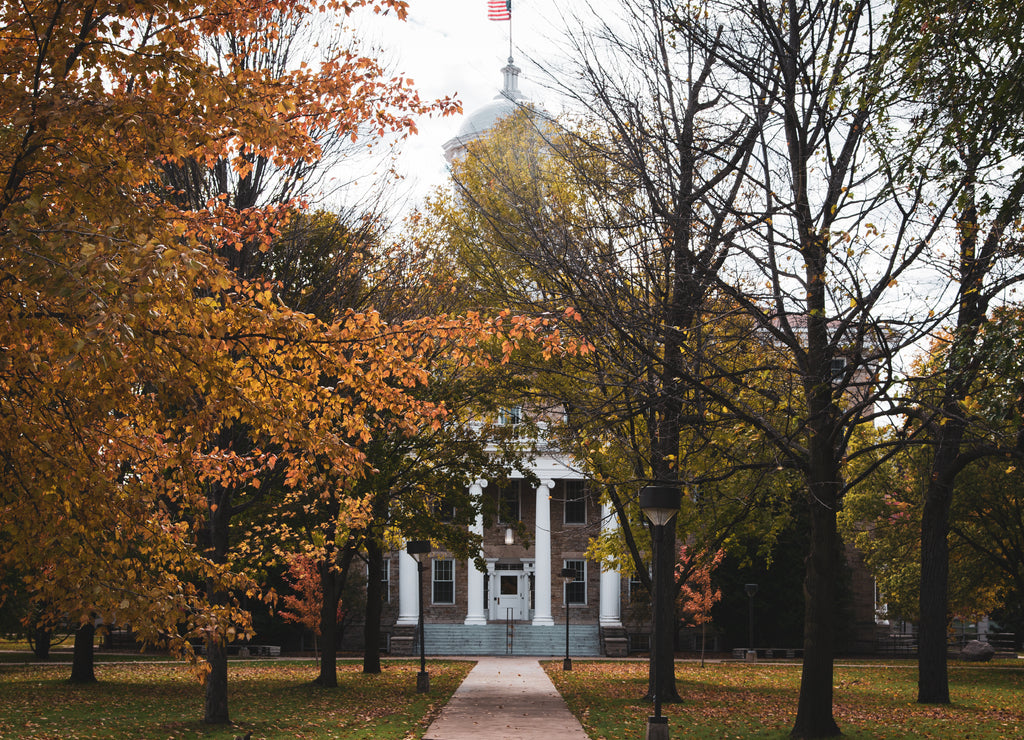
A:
(737, 700)
(274, 699)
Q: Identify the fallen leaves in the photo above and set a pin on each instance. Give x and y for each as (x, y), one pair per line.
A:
(736, 700)
(273, 699)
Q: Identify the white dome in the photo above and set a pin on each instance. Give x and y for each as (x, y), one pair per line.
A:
(480, 121)
(483, 118)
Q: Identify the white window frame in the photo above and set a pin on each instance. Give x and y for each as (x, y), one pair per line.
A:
(837, 367)
(435, 581)
(570, 563)
(510, 416)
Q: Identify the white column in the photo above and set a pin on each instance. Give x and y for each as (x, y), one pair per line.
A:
(493, 585)
(474, 578)
(610, 615)
(542, 550)
(408, 590)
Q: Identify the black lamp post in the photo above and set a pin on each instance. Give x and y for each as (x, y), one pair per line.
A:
(568, 576)
(420, 549)
(751, 589)
(660, 504)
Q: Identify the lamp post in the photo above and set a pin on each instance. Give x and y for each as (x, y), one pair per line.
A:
(751, 589)
(568, 576)
(659, 504)
(420, 550)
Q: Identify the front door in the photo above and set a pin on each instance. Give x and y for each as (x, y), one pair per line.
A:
(511, 600)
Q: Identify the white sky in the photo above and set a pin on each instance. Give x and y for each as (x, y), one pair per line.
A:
(450, 47)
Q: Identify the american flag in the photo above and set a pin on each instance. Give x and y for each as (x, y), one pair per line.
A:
(499, 10)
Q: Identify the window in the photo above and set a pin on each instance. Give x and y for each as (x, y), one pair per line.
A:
(576, 590)
(575, 502)
(510, 416)
(444, 581)
(385, 579)
(838, 367)
(637, 592)
(508, 505)
(443, 508)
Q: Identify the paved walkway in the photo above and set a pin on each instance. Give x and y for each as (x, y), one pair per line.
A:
(506, 699)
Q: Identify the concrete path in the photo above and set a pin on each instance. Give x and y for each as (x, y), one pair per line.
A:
(506, 699)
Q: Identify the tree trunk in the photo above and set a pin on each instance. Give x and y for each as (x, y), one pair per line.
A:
(329, 626)
(39, 638)
(933, 598)
(374, 606)
(332, 581)
(814, 710)
(662, 670)
(82, 661)
(216, 703)
(216, 712)
(932, 676)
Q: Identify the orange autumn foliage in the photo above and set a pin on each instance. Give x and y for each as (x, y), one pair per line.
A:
(696, 595)
(125, 341)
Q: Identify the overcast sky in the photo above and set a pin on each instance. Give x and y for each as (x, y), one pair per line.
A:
(450, 47)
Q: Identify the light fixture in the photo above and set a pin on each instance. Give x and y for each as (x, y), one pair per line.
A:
(660, 504)
(568, 576)
(510, 536)
(420, 550)
(751, 589)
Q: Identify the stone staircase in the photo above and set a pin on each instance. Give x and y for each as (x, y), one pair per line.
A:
(515, 639)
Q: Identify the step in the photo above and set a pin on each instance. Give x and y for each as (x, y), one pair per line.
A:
(527, 639)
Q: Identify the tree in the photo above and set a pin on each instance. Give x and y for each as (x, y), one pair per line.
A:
(964, 61)
(412, 469)
(331, 101)
(697, 596)
(625, 217)
(882, 518)
(132, 346)
(303, 605)
(818, 277)
(747, 205)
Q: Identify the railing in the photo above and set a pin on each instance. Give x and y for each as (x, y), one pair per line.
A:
(1003, 642)
(510, 631)
(898, 645)
(905, 644)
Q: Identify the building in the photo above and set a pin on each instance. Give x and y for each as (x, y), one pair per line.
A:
(520, 604)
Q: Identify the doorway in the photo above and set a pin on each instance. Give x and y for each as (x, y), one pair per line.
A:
(511, 593)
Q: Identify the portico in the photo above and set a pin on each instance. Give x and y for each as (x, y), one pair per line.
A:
(517, 584)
